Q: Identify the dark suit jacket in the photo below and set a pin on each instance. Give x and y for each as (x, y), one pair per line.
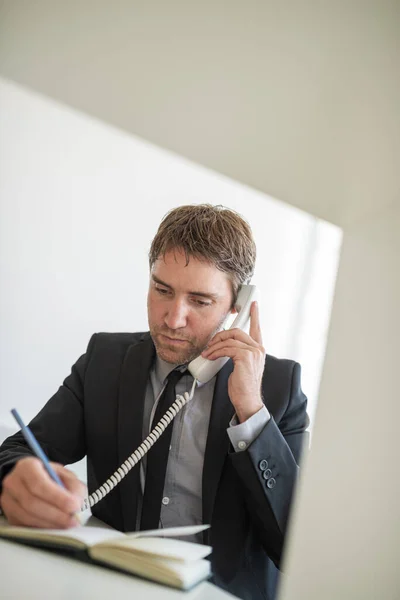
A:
(98, 412)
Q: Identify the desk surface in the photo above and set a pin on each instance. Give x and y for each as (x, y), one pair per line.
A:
(32, 573)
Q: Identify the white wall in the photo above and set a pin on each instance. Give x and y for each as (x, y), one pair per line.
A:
(79, 204)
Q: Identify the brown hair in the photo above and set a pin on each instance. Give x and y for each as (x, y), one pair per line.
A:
(215, 234)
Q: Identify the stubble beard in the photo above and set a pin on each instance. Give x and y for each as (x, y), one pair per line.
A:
(174, 355)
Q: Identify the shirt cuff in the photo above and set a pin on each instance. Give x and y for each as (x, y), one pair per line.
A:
(243, 434)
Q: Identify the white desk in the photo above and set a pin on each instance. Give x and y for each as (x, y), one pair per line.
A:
(31, 573)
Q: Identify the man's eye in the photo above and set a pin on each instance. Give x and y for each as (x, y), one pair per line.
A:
(201, 302)
(162, 291)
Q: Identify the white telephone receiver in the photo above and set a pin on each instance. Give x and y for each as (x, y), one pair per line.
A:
(202, 370)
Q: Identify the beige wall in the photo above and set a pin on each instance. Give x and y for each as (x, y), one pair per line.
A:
(347, 527)
(296, 98)
(300, 100)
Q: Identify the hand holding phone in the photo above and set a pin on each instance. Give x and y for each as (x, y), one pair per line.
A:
(203, 369)
(248, 355)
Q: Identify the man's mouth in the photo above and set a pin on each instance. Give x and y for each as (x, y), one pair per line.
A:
(173, 341)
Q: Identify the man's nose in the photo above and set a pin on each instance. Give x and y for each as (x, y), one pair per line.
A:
(176, 316)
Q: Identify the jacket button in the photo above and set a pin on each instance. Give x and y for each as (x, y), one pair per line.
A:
(271, 483)
(263, 464)
(267, 473)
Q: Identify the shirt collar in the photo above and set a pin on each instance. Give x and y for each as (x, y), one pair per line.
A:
(162, 369)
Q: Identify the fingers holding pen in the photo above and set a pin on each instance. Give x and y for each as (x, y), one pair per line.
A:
(35, 513)
(71, 483)
(39, 485)
(31, 498)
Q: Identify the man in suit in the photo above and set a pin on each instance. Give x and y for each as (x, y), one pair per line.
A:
(231, 456)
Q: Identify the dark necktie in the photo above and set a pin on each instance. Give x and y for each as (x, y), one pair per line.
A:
(157, 458)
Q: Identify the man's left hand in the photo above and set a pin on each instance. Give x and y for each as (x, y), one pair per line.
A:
(248, 355)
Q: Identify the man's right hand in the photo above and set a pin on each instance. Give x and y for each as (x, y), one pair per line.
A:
(31, 498)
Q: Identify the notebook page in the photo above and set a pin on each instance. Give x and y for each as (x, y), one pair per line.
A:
(87, 536)
(170, 531)
(160, 547)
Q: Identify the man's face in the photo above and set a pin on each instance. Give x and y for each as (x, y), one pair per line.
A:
(186, 305)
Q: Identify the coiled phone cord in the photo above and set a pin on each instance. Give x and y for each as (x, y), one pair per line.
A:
(138, 454)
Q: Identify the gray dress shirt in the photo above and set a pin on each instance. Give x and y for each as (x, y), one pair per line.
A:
(182, 497)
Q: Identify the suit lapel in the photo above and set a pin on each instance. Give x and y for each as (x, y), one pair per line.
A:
(134, 376)
(217, 445)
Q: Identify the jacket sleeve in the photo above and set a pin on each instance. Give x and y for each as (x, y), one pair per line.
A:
(269, 469)
(58, 427)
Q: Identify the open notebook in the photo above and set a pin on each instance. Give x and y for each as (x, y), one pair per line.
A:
(152, 554)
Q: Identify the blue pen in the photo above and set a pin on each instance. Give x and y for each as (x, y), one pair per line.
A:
(34, 446)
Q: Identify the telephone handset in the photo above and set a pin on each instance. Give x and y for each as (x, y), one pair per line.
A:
(202, 370)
